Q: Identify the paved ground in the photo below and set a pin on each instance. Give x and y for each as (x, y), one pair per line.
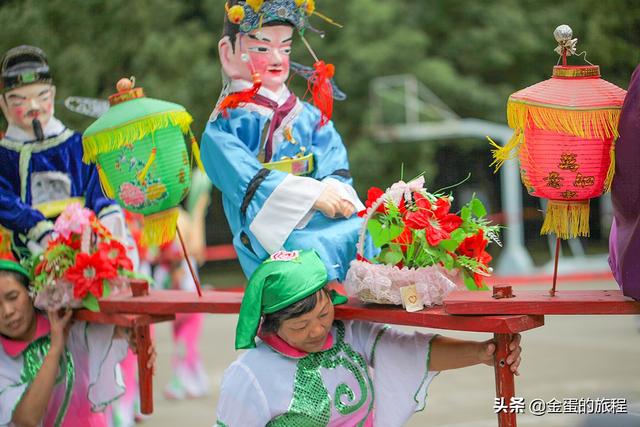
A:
(570, 357)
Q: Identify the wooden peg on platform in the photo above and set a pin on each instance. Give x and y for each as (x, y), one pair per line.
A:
(502, 291)
(143, 343)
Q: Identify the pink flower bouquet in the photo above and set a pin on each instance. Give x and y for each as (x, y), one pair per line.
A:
(81, 264)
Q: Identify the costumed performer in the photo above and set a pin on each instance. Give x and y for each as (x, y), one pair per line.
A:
(42, 169)
(624, 240)
(280, 163)
(53, 371)
(310, 370)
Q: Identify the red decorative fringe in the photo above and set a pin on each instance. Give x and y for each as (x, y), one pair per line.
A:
(233, 100)
(322, 91)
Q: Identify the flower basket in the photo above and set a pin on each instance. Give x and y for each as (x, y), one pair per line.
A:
(405, 260)
(82, 263)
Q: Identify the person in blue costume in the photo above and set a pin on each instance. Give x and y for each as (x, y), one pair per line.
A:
(279, 161)
(42, 169)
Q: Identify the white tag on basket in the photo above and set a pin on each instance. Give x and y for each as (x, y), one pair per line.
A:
(411, 301)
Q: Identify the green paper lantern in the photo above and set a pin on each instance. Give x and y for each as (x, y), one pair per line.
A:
(140, 149)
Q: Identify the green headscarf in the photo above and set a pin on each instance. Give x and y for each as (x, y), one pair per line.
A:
(9, 265)
(283, 279)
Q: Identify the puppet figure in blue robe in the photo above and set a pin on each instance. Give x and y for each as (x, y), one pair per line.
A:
(42, 169)
(280, 163)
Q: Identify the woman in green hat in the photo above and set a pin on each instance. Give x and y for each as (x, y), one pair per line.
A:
(309, 369)
(53, 372)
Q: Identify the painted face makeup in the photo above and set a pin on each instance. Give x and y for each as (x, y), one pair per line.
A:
(268, 52)
(24, 104)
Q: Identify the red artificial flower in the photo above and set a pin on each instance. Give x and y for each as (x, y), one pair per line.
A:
(373, 195)
(405, 239)
(115, 254)
(73, 242)
(436, 220)
(474, 247)
(88, 273)
(421, 202)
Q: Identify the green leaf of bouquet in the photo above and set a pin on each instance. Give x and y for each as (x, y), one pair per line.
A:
(478, 208)
(465, 213)
(392, 257)
(469, 282)
(449, 244)
(458, 236)
(91, 303)
(106, 289)
(381, 235)
(448, 261)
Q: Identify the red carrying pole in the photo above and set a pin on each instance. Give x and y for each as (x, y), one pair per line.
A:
(505, 385)
(143, 343)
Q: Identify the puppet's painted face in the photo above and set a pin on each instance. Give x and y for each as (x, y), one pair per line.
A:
(17, 315)
(268, 51)
(21, 105)
(309, 331)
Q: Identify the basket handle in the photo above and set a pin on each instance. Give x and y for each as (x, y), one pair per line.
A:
(399, 188)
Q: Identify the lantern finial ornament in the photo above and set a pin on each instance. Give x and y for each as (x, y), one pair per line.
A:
(564, 133)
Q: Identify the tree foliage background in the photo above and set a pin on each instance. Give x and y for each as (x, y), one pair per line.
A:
(471, 54)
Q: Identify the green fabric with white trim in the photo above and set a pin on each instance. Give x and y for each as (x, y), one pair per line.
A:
(283, 279)
(8, 265)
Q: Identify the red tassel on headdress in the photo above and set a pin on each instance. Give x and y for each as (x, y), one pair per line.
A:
(233, 100)
(322, 90)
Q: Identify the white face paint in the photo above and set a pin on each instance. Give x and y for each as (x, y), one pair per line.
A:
(21, 105)
(267, 50)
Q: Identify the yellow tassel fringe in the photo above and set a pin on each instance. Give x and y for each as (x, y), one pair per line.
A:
(508, 152)
(602, 124)
(160, 228)
(115, 138)
(586, 124)
(567, 220)
(612, 168)
(107, 189)
(195, 150)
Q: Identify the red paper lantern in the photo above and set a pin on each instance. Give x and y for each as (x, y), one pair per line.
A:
(565, 129)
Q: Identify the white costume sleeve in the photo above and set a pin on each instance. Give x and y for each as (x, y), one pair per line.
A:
(104, 353)
(287, 208)
(242, 402)
(11, 386)
(400, 363)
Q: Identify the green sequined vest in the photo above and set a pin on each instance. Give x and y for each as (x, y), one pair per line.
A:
(312, 402)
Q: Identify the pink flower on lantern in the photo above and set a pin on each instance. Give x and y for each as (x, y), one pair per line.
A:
(73, 220)
(131, 195)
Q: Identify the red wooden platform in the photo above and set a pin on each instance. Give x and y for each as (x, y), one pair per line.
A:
(539, 302)
(158, 304)
(161, 303)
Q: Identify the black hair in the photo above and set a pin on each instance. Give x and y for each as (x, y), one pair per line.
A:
(231, 30)
(272, 321)
(20, 278)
